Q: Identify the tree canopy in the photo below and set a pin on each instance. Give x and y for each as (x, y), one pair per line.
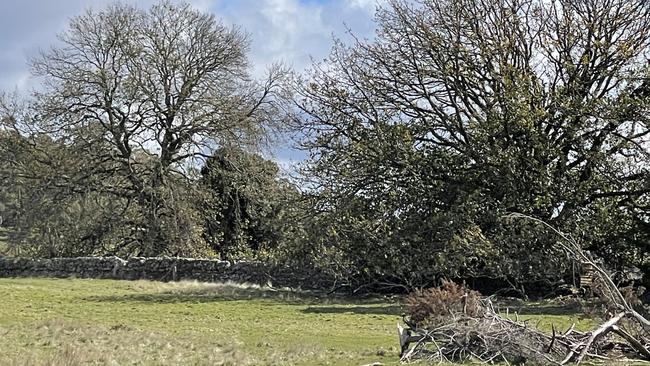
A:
(463, 110)
(142, 97)
(144, 140)
(245, 205)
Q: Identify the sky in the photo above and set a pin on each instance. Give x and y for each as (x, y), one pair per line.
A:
(291, 31)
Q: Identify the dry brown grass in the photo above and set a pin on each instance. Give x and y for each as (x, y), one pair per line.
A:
(71, 344)
(434, 305)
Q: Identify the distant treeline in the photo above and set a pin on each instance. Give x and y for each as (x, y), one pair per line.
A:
(146, 134)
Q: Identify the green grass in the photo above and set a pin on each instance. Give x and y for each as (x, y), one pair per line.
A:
(545, 315)
(104, 322)
(68, 322)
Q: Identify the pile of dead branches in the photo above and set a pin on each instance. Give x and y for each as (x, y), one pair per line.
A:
(493, 338)
(454, 324)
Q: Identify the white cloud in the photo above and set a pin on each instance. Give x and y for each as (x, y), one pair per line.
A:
(368, 5)
(28, 26)
(202, 5)
(291, 31)
(281, 30)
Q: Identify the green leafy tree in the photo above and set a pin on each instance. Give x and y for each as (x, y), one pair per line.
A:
(462, 110)
(245, 205)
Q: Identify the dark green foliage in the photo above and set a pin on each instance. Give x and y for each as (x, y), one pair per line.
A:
(462, 111)
(420, 141)
(55, 203)
(245, 205)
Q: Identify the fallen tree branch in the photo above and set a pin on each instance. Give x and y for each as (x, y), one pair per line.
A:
(486, 336)
(600, 332)
(632, 341)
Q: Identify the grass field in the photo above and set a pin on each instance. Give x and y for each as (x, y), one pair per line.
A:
(102, 322)
(75, 322)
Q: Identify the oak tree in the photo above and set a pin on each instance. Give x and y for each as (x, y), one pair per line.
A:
(462, 110)
(144, 96)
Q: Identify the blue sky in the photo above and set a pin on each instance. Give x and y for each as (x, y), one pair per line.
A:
(288, 30)
(292, 31)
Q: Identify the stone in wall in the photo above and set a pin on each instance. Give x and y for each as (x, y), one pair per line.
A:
(163, 269)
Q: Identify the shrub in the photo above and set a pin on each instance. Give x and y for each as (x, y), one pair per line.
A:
(433, 305)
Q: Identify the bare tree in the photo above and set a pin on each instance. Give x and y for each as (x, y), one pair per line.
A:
(143, 93)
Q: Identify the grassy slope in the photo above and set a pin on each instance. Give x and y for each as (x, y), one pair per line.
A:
(62, 322)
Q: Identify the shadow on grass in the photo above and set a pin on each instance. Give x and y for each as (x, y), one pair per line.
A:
(204, 296)
(550, 310)
(545, 308)
(205, 293)
(355, 309)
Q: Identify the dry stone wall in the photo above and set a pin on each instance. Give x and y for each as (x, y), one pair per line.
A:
(163, 269)
(176, 269)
